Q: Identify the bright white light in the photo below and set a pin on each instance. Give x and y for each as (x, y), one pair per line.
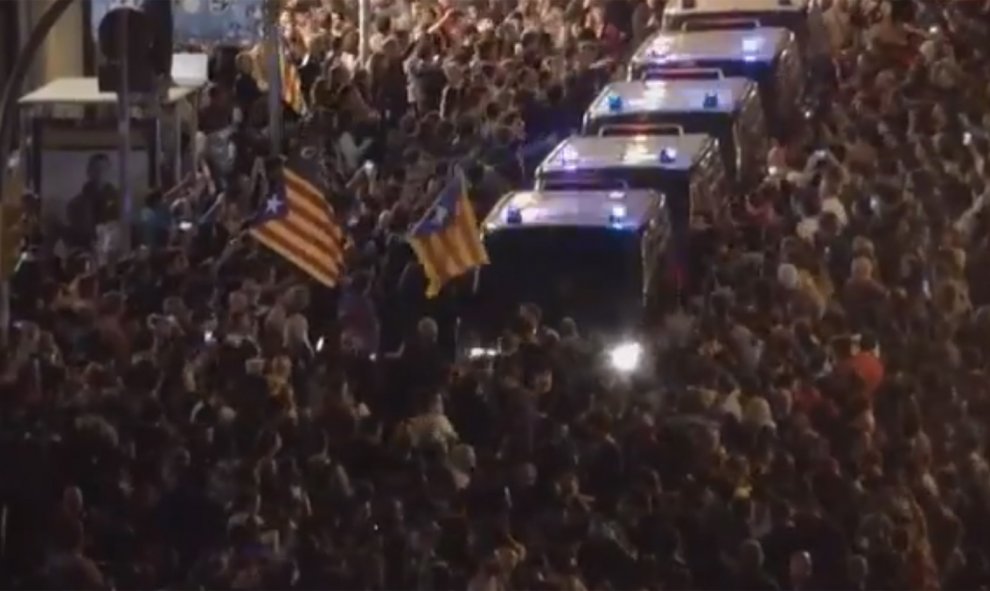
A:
(619, 211)
(481, 353)
(319, 344)
(751, 44)
(637, 153)
(568, 155)
(616, 195)
(749, 58)
(626, 357)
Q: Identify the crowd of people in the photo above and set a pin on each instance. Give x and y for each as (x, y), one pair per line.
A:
(197, 414)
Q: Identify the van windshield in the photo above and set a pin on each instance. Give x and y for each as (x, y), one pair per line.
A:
(673, 184)
(592, 274)
(714, 123)
(793, 20)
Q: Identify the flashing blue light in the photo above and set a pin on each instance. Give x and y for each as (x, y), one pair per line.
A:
(711, 100)
(614, 103)
(668, 155)
(513, 215)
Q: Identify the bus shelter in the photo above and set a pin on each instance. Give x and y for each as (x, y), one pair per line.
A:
(68, 121)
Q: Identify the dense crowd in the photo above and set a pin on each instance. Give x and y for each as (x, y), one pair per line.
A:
(196, 414)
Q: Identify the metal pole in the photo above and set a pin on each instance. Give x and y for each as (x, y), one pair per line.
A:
(363, 14)
(274, 57)
(124, 148)
(177, 122)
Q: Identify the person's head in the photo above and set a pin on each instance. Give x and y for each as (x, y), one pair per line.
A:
(244, 63)
(800, 567)
(751, 555)
(383, 25)
(98, 168)
(788, 276)
(72, 500)
(542, 381)
(858, 569)
(862, 268)
(427, 331)
(296, 331)
(318, 45)
(868, 342)
(218, 95)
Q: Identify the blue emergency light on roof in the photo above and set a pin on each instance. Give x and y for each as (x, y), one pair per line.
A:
(617, 215)
(614, 102)
(711, 100)
(513, 215)
(668, 155)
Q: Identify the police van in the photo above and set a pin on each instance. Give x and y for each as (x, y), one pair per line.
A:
(597, 256)
(728, 109)
(802, 17)
(768, 56)
(687, 169)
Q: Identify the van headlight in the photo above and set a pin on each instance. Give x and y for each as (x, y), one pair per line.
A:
(626, 357)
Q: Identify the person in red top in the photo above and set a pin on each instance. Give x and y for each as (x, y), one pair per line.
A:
(867, 365)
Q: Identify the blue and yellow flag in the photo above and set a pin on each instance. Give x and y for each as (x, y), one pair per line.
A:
(298, 224)
(446, 240)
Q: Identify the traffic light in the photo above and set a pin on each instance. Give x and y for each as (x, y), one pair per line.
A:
(160, 15)
(142, 35)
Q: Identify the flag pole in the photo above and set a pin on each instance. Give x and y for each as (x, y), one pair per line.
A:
(363, 30)
(273, 47)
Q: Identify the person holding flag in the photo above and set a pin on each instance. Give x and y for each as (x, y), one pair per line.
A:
(446, 240)
(298, 224)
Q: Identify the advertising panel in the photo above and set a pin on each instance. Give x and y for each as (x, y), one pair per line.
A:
(203, 22)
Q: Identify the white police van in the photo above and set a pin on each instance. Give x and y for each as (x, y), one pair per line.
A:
(687, 169)
(802, 17)
(729, 109)
(598, 256)
(769, 56)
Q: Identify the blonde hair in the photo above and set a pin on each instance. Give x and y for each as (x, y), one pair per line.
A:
(259, 66)
(863, 246)
(245, 61)
(862, 267)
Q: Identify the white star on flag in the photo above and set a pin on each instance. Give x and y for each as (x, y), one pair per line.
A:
(273, 204)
